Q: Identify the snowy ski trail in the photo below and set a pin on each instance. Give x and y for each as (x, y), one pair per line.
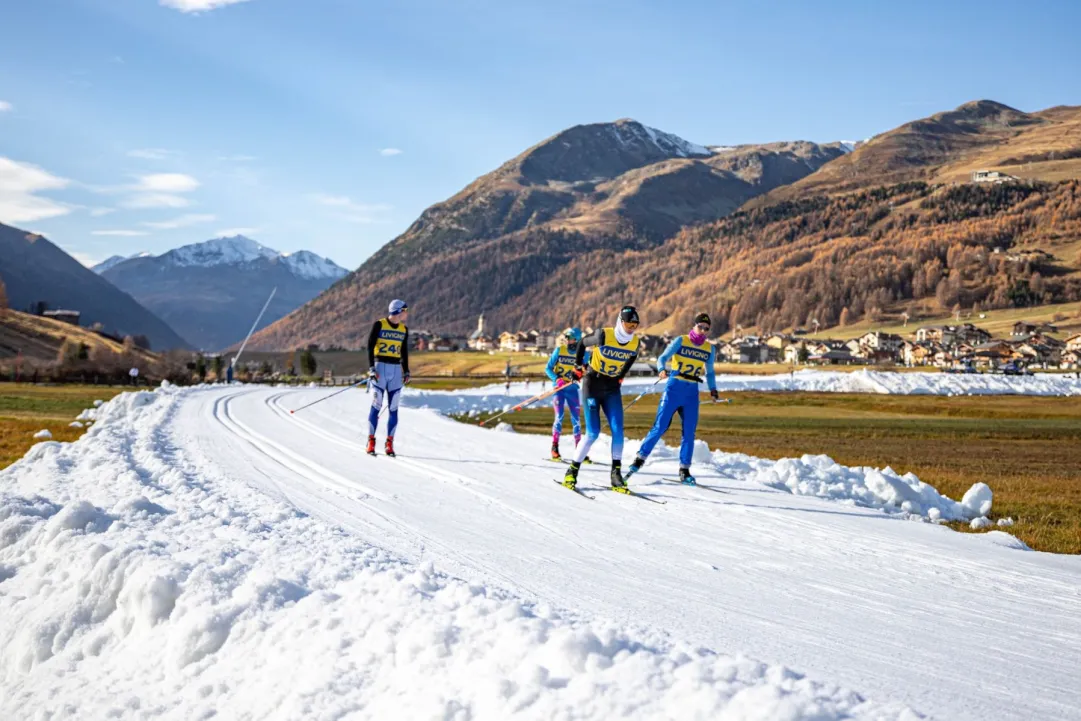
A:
(945, 622)
(202, 551)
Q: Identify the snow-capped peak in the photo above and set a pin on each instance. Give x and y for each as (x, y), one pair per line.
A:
(239, 250)
(220, 251)
(631, 131)
(674, 143)
(309, 265)
(108, 263)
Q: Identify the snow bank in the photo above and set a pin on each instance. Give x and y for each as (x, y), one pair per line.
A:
(43, 435)
(498, 397)
(881, 488)
(136, 583)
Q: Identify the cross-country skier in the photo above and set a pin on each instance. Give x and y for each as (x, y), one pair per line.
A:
(614, 352)
(388, 369)
(693, 357)
(560, 369)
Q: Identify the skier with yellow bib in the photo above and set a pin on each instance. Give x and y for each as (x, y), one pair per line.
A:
(388, 370)
(693, 357)
(613, 352)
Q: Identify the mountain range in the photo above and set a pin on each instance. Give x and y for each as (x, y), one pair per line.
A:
(610, 186)
(211, 292)
(590, 218)
(34, 270)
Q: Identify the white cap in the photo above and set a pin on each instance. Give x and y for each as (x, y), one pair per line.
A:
(397, 306)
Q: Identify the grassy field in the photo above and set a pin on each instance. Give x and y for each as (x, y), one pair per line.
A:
(25, 409)
(1027, 449)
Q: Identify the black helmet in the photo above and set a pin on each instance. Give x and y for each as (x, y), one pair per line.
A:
(702, 318)
(628, 314)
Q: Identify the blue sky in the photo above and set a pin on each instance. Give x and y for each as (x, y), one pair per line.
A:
(329, 125)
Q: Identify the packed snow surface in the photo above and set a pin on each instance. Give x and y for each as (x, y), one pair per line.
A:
(203, 552)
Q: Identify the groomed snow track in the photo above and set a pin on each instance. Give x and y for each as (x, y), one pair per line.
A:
(622, 597)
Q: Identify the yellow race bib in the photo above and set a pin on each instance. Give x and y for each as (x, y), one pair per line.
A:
(609, 358)
(691, 360)
(390, 339)
(564, 367)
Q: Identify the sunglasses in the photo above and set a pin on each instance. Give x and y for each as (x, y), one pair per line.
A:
(703, 327)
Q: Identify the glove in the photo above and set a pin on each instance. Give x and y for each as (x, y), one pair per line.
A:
(579, 371)
(372, 375)
(560, 382)
(621, 381)
(714, 395)
(663, 374)
(405, 379)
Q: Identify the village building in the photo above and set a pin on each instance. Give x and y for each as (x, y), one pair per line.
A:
(479, 339)
(879, 341)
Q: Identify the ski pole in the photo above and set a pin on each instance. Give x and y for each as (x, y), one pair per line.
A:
(343, 390)
(647, 390)
(528, 401)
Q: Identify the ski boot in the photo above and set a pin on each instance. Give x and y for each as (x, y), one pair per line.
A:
(686, 477)
(617, 476)
(389, 448)
(570, 478)
(555, 452)
(371, 445)
(587, 461)
(635, 467)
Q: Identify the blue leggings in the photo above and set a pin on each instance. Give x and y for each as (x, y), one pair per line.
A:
(391, 380)
(568, 397)
(679, 397)
(612, 405)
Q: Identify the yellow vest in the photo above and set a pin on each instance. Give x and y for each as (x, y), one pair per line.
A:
(691, 360)
(389, 342)
(609, 358)
(564, 366)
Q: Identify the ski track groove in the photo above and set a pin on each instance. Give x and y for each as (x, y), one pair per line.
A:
(793, 617)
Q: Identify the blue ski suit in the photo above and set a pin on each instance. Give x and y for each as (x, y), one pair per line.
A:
(680, 396)
(560, 367)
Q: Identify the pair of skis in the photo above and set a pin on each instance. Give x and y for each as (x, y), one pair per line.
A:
(628, 492)
(618, 489)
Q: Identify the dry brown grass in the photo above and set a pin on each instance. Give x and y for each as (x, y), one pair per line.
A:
(26, 409)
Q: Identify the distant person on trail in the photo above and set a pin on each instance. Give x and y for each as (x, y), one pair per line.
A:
(388, 370)
(560, 370)
(693, 356)
(614, 351)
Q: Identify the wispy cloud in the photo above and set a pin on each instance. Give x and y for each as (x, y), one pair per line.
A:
(197, 6)
(350, 210)
(152, 153)
(19, 185)
(183, 221)
(5, 106)
(167, 183)
(230, 232)
(155, 200)
(99, 212)
(388, 152)
(160, 190)
(120, 233)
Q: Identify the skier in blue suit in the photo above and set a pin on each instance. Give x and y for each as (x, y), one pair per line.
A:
(693, 356)
(560, 370)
